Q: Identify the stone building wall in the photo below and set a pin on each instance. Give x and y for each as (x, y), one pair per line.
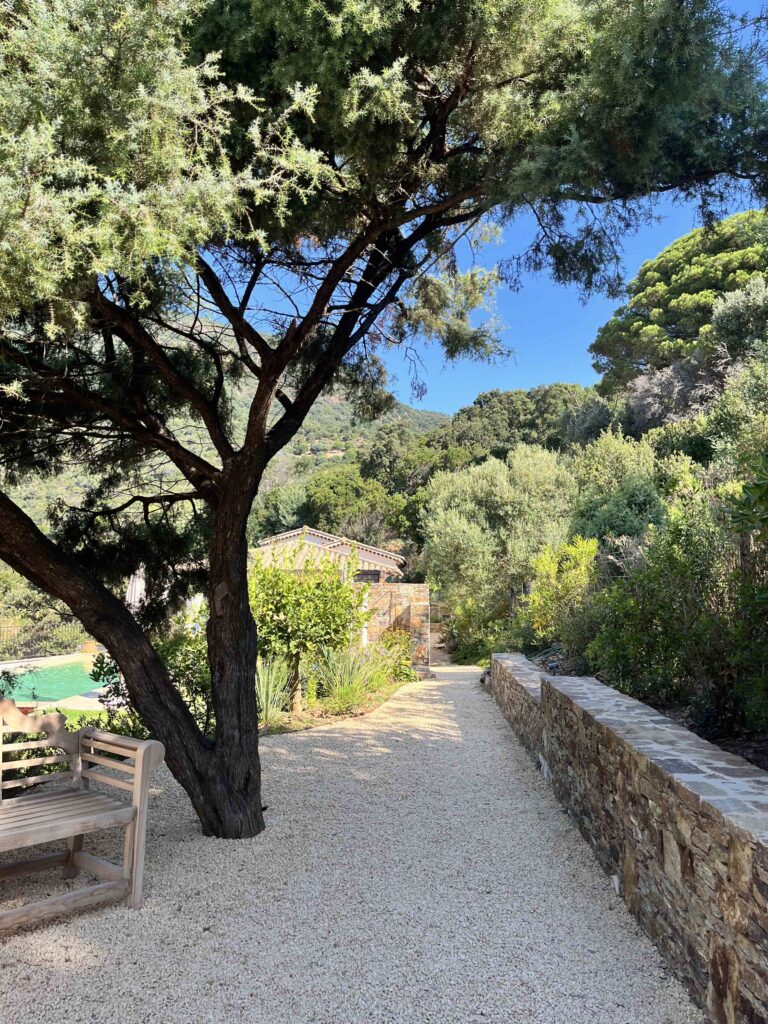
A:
(679, 824)
(401, 606)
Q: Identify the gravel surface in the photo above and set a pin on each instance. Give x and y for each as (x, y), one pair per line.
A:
(415, 868)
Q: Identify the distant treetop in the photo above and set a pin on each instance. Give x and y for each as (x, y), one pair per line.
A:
(668, 315)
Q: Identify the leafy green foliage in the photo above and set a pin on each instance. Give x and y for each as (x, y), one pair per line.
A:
(298, 612)
(669, 313)
(340, 500)
(32, 623)
(344, 678)
(119, 715)
(626, 511)
(484, 525)
(183, 648)
(563, 580)
(397, 650)
(749, 511)
(498, 420)
(671, 627)
(184, 651)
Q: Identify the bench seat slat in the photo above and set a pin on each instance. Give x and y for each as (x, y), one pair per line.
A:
(47, 809)
(72, 801)
(66, 819)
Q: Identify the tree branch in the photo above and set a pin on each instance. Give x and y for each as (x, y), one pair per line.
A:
(27, 550)
(134, 333)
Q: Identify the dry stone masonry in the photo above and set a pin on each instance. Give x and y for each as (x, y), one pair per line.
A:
(403, 606)
(680, 825)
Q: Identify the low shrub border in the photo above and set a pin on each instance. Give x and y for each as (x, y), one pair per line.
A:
(680, 825)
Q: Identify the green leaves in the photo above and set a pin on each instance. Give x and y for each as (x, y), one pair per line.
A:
(110, 149)
(300, 608)
(749, 512)
(113, 154)
(677, 298)
(563, 579)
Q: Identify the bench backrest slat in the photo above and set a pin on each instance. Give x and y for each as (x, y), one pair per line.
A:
(18, 773)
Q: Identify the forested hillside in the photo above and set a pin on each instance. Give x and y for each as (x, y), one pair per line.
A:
(331, 432)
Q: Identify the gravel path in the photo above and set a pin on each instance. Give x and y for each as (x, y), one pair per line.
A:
(415, 869)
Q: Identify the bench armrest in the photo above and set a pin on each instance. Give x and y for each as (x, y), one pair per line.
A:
(150, 752)
(99, 750)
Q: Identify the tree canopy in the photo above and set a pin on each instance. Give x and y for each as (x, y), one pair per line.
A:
(179, 227)
(674, 299)
(498, 420)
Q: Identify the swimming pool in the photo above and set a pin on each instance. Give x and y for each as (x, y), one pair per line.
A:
(51, 679)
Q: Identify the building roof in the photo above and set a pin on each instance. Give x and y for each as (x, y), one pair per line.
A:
(368, 557)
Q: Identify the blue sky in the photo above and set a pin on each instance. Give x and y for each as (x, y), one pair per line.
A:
(546, 324)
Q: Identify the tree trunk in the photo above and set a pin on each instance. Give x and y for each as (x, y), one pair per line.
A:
(235, 783)
(222, 777)
(224, 785)
(294, 686)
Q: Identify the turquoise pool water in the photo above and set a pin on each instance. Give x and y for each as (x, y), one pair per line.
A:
(54, 680)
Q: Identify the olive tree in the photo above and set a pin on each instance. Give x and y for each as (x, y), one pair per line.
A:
(179, 230)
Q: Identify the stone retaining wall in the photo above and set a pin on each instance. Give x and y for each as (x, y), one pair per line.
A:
(679, 824)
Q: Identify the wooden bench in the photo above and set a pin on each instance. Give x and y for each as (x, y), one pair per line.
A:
(72, 811)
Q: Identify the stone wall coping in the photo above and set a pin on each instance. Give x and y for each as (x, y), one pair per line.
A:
(729, 786)
(527, 675)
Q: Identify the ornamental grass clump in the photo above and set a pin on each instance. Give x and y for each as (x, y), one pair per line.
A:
(343, 679)
(272, 687)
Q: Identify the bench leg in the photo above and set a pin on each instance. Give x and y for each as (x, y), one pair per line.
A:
(74, 845)
(136, 896)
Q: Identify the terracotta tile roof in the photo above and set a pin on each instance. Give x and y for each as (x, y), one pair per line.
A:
(370, 557)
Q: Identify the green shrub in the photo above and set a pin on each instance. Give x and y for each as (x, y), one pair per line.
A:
(484, 525)
(119, 714)
(34, 623)
(563, 582)
(397, 650)
(667, 627)
(473, 639)
(8, 683)
(182, 647)
(302, 609)
(687, 437)
(626, 511)
(343, 678)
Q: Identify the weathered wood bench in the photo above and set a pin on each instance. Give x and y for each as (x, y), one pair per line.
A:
(70, 812)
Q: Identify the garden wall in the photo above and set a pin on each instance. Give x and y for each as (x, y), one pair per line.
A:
(679, 824)
(401, 606)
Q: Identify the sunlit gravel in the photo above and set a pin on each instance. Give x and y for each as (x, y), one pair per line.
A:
(415, 868)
